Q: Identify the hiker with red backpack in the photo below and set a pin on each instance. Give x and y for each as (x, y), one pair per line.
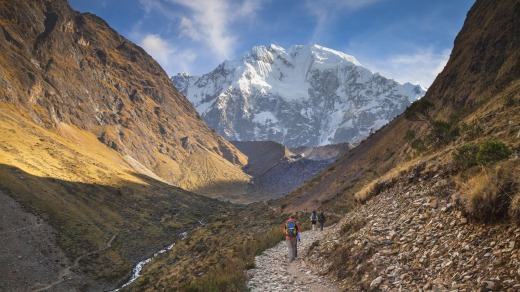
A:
(292, 233)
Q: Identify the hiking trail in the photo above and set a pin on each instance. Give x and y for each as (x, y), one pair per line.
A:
(272, 271)
(67, 271)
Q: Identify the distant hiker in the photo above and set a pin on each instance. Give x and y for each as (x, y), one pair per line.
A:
(314, 218)
(321, 219)
(291, 231)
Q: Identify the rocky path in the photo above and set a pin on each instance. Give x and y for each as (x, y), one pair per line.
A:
(416, 238)
(272, 271)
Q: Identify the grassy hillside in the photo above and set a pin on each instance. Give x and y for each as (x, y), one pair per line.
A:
(89, 193)
(60, 67)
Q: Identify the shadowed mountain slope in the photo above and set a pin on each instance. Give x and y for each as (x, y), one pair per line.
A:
(94, 144)
(277, 170)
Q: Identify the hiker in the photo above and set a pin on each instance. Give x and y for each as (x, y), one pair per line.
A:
(291, 231)
(321, 219)
(314, 218)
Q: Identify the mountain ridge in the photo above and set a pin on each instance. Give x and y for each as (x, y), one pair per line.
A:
(65, 67)
(302, 96)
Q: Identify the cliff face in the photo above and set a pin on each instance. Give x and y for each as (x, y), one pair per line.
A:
(60, 66)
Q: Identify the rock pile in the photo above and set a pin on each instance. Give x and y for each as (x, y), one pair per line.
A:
(415, 238)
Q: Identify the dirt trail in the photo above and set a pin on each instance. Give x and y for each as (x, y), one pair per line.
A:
(67, 271)
(272, 271)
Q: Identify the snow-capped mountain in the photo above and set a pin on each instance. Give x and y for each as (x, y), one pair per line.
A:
(302, 96)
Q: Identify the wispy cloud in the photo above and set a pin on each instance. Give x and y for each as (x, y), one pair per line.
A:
(171, 58)
(326, 11)
(209, 21)
(207, 24)
(420, 67)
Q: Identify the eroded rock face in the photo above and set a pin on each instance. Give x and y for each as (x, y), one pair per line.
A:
(61, 66)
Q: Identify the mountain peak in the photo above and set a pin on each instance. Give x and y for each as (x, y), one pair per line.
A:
(306, 95)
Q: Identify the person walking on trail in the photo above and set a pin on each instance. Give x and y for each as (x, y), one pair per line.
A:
(321, 219)
(314, 218)
(291, 231)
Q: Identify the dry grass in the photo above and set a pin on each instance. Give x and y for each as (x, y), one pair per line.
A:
(377, 185)
(89, 193)
(493, 192)
(215, 257)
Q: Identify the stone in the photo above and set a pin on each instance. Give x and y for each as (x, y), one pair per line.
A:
(489, 285)
(376, 282)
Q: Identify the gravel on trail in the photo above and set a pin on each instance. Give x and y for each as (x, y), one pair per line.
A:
(273, 272)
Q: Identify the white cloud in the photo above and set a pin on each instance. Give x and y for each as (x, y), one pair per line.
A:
(210, 21)
(166, 54)
(207, 24)
(420, 67)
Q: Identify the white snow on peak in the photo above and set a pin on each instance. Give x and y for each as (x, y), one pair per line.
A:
(303, 95)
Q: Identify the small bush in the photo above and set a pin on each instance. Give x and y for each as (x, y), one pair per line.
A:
(409, 136)
(419, 145)
(492, 194)
(510, 101)
(465, 156)
(492, 151)
(442, 133)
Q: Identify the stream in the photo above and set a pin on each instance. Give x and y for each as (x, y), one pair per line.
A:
(139, 267)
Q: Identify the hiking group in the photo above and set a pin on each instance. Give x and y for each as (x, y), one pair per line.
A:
(317, 218)
(292, 232)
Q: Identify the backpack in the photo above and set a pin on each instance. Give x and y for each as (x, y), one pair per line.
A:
(313, 218)
(290, 228)
(321, 217)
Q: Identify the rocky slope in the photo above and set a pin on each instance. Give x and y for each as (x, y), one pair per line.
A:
(301, 96)
(277, 170)
(414, 236)
(63, 67)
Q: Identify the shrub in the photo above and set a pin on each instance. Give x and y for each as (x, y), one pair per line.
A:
(409, 136)
(492, 151)
(419, 145)
(419, 111)
(465, 156)
(488, 196)
(442, 133)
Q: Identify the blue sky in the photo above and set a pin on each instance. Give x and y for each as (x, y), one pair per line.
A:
(406, 40)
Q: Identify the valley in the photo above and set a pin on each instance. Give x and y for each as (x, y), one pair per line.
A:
(110, 178)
